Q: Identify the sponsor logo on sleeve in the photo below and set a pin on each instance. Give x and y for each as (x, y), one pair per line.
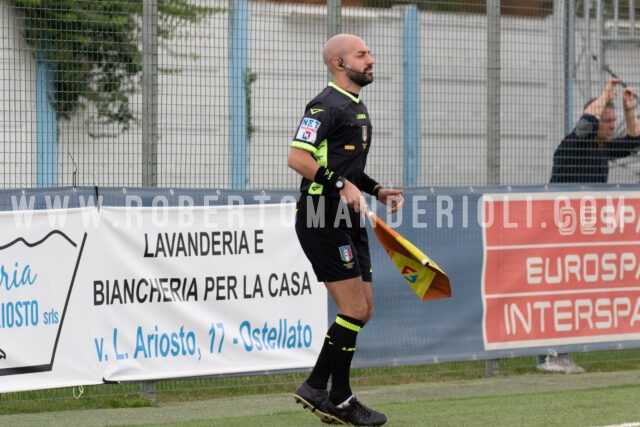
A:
(308, 130)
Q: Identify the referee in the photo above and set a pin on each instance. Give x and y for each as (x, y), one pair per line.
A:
(330, 151)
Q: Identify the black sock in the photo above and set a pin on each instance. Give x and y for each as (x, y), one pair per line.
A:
(319, 376)
(341, 349)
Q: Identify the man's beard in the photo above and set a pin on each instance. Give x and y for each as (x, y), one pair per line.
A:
(359, 78)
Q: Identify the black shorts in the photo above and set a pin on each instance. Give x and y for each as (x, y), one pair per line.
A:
(337, 250)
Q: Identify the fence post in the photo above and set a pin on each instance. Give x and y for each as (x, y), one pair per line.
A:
(491, 367)
(493, 92)
(148, 391)
(334, 18)
(493, 116)
(411, 96)
(569, 57)
(149, 156)
(238, 69)
(47, 125)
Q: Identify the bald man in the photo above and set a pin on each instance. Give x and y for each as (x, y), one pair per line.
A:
(329, 151)
(583, 156)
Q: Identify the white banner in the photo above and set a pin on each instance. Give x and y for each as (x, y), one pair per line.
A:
(124, 294)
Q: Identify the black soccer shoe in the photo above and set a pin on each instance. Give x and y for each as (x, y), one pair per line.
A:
(315, 399)
(356, 413)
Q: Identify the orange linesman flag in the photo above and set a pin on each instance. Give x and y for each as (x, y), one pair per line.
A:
(424, 276)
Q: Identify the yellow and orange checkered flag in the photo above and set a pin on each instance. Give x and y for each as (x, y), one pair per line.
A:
(424, 276)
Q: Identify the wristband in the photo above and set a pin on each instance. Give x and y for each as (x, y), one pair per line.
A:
(325, 176)
(367, 184)
(629, 109)
(376, 191)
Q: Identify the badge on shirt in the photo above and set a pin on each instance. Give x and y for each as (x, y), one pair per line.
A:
(365, 133)
(308, 130)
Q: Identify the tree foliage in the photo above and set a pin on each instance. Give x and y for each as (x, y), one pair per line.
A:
(93, 48)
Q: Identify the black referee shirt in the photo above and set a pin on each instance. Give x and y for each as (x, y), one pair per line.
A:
(336, 130)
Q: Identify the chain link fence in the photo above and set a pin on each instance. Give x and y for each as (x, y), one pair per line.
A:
(209, 94)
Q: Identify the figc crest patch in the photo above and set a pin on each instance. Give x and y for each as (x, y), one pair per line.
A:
(345, 253)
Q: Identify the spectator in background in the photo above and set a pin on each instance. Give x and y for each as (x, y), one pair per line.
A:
(583, 157)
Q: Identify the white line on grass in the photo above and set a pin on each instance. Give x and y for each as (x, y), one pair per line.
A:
(624, 425)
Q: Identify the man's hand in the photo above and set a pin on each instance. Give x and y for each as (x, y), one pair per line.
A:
(608, 93)
(391, 198)
(352, 196)
(628, 98)
(629, 107)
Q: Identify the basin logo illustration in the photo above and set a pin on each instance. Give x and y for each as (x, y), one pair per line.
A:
(36, 280)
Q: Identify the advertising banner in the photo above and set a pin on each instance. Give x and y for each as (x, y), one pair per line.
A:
(560, 268)
(92, 295)
(110, 284)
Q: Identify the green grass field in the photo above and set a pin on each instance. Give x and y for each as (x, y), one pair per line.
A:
(434, 395)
